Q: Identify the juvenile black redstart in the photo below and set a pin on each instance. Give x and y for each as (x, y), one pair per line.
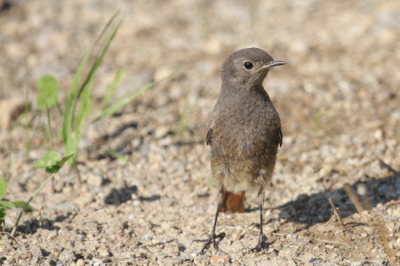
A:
(244, 133)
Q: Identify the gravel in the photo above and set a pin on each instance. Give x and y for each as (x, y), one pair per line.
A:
(338, 99)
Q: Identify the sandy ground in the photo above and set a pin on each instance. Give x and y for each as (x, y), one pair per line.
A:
(338, 98)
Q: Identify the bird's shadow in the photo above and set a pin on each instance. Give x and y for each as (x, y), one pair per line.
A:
(316, 208)
(119, 196)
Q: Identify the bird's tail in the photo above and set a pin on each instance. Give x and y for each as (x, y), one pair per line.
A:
(232, 202)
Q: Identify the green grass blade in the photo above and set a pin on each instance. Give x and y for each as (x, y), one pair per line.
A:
(106, 27)
(3, 187)
(124, 101)
(100, 58)
(111, 89)
(69, 112)
(85, 107)
(27, 126)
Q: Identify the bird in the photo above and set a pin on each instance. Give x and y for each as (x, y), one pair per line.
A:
(244, 132)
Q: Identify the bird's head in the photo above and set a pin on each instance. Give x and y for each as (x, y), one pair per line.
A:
(247, 68)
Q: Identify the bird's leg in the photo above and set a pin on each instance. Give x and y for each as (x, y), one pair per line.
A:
(261, 244)
(213, 236)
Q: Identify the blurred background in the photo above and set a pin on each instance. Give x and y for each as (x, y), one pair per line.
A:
(338, 97)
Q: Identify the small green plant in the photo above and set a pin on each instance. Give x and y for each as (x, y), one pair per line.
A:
(7, 205)
(52, 164)
(79, 101)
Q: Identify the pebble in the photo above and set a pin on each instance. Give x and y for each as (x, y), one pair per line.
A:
(325, 100)
(10, 110)
(84, 200)
(103, 252)
(94, 179)
(315, 261)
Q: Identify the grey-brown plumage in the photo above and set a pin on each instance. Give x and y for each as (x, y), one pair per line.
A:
(244, 132)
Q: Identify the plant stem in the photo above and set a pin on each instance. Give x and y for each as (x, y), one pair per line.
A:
(30, 199)
(27, 127)
(77, 171)
(49, 128)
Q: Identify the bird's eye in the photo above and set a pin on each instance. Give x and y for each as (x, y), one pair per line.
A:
(248, 65)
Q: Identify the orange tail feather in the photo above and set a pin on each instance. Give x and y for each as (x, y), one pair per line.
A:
(232, 202)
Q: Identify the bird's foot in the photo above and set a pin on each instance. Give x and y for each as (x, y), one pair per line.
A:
(210, 240)
(260, 246)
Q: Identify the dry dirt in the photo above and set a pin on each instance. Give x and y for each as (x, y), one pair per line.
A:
(338, 98)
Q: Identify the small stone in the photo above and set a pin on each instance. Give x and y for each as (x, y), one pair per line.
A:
(165, 226)
(163, 72)
(395, 115)
(103, 252)
(94, 179)
(80, 262)
(315, 260)
(136, 142)
(302, 197)
(161, 131)
(10, 110)
(368, 229)
(84, 200)
(378, 134)
(171, 260)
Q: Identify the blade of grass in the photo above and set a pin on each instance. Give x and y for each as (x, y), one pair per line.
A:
(28, 124)
(7, 174)
(122, 102)
(100, 58)
(70, 105)
(49, 127)
(74, 96)
(83, 111)
(68, 112)
(111, 88)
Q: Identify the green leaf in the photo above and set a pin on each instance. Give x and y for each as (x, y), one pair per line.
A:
(51, 162)
(48, 92)
(6, 204)
(21, 204)
(3, 187)
(49, 158)
(2, 215)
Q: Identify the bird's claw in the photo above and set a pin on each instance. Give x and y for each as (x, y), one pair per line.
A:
(260, 246)
(210, 240)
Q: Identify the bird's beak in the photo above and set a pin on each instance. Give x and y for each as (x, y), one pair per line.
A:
(272, 64)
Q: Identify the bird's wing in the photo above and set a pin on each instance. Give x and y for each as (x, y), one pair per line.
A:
(209, 136)
(280, 136)
(211, 123)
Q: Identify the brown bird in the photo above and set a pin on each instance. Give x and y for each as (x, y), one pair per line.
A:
(244, 133)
